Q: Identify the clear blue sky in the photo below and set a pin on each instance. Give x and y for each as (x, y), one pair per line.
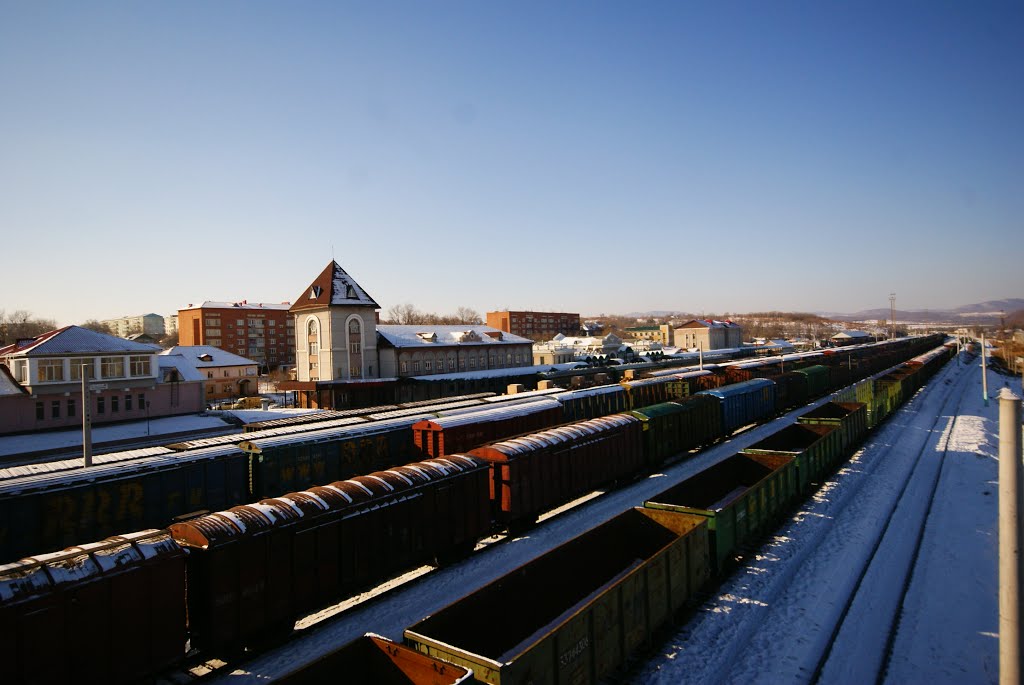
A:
(597, 157)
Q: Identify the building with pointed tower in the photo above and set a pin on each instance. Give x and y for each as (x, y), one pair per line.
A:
(345, 358)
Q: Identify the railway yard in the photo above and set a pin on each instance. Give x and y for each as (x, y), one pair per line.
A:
(772, 521)
(887, 574)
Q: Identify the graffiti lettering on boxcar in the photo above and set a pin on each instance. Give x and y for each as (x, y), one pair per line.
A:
(129, 501)
(349, 453)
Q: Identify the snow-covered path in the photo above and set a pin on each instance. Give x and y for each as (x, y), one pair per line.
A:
(772, 619)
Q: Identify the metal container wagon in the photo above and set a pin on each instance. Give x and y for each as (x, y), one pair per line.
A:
(673, 428)
(589, 403)
(819, 380)
(254, 569)
(740, 497)
(290, 462)
(533, 473)
(573, 615)
(47, 512)
(376, 660)
(816, 448)
(849, 418)
(744, 403)
(644, 392)
(112, 610)
(443, 435)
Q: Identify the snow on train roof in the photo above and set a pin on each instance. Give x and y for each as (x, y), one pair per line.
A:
(111, 471)
(494, 414)
(368, 428)
(235, 438)
(560, 434)
(23, 470)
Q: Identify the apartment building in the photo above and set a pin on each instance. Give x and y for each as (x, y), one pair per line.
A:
(264, 333)
(537, 326)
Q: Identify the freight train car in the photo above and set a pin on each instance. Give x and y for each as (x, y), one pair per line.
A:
(740, 497)
(48, 512)
(742, 404)
(439, 436)
(539, 471)
(109, 611)
(255, 569)
(575, 614)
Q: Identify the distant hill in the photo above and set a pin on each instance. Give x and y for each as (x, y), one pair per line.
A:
(982, 312)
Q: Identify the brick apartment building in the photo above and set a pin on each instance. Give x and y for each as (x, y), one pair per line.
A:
(538, 326)
(264, 333)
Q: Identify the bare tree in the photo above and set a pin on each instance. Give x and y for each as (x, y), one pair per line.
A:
(98, 326)
(467, 315)
(19, 324)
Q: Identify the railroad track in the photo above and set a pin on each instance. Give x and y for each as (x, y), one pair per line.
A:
(791, 578)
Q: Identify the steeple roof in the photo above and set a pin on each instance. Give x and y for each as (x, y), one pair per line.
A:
(333, 287)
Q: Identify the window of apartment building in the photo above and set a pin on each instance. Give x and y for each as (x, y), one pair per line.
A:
(472, 362)
(139, 365)
(508, 359)
(212, 332)
(240, 323)
(127, 402)
(404, 367)
(272, 323)
(40, 411)
(416, 366)
(55, 409)
(216, 342)
(209, 374)
(142, 401)
(111, 367)
(71, 409)
(462, 364)
(492, 360)
(355, 372)
(101, 405)
(451, 363)
(428, 365)
(50, 370)
(114, 404)
(440, 364)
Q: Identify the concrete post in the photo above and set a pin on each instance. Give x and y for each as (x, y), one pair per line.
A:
(86, 418)
(1009, 538)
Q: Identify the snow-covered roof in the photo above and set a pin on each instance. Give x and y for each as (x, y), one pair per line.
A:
(203, 356)
(436, 336)
(9, 386)
(851, 334)
(244, 304)
(187, 371)
(75, 340)
(333, 287)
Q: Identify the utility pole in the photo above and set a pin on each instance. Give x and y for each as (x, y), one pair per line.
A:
(1010, 505)
(892, 315)
(984, 375)
(86, 419)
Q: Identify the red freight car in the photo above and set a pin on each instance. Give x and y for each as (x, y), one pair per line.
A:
(256, 568)
(462, 432)
(113, 610)
(533, 473)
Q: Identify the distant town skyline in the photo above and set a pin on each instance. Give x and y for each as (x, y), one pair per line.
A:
(593, 157)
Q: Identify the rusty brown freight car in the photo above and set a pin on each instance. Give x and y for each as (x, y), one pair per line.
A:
(110, 611)
(533, 473)
(462, 432)
(256, 568)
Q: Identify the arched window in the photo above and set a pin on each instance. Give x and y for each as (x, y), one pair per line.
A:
(355, 348)
(313, 336)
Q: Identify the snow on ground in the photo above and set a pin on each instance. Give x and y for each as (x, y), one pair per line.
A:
(773, 618)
